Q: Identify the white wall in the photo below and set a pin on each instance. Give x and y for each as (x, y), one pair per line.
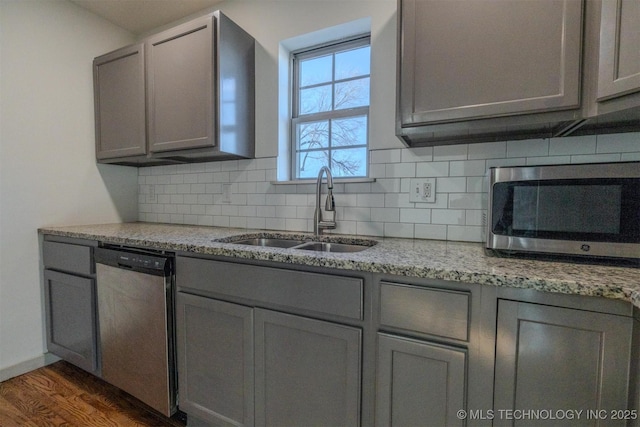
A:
(48, 173)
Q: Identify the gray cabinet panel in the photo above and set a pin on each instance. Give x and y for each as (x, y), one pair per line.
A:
(307, 372)
(619, 62)
(215, 360)
(453, 68)
(68, 257)
(297, 290)
(551, 358)
(180, 87)
(425, 310)
(419, 383)
(71, 319)
(119, 97)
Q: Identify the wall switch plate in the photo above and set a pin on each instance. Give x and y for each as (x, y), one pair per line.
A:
(422, 190)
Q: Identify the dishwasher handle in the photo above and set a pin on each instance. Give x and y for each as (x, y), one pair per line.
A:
(139, 261)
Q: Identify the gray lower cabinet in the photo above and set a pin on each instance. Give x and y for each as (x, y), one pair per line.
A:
(307, 372)
(554, 358)
(419, 383)
(70, 304)
(215, 363)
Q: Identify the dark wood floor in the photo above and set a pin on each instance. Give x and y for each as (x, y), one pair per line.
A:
(63, 395)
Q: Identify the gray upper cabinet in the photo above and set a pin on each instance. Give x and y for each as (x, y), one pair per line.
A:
(491, 58)
(619, 60)
(118, 79)
(496, 70)
(197, 83)
(556, 358)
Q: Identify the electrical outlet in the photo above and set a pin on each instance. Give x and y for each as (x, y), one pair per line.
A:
(422, 190)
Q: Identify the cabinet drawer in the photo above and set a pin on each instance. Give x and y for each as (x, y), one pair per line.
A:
(298, 290)
(425, 310)
(67, 257)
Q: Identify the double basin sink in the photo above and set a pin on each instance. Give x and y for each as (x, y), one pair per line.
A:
(336, 244)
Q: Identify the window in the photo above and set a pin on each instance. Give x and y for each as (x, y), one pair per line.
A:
(330, 119)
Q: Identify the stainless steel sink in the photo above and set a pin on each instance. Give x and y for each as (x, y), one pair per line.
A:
(272, 243)
(331, 247)
(297, 242)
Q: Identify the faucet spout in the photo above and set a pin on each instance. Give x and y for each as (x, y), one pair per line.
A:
(319, 224)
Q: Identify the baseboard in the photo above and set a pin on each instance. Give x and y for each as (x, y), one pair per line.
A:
(27, 366)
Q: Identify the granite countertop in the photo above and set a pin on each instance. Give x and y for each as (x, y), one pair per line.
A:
(456, 261)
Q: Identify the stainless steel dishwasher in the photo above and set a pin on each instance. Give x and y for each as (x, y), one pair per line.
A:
(136, 326)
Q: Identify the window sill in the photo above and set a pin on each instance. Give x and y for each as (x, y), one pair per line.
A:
(335, 180)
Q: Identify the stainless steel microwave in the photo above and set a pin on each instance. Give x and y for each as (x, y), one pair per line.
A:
(580, 210)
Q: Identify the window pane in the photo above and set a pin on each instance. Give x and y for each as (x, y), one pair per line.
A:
(349, 131)
(353, 93)
(313, 135)
(349, 162)
(310, 162)
(315, 100)
(316, 70)
(353, 63)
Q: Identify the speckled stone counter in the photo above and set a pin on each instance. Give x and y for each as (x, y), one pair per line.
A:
(456, 261)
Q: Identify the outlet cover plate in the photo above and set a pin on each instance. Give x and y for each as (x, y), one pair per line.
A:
(422, 190)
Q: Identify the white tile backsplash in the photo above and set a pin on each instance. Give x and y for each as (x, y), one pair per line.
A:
(192, 193)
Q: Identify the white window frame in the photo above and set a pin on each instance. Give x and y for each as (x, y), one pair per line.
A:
(296, 118)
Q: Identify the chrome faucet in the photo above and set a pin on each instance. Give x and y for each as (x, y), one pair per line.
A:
(318, 223)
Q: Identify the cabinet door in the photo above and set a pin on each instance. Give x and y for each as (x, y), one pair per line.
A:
(307, 372)
(419, 382)
(619, 63)
(71, 319)
(463, 60)
(215, 360)
(119, 97)
(551, 358)
(180, 73)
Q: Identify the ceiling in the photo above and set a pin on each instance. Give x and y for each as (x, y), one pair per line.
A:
(141, 16)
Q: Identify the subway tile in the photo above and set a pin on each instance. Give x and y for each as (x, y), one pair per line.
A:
(416, 216)
(190, 199)
(198, 209)
(343, 200)
(276, 223)
(399, 230)
(528, 148)
(370, 200)
(246, 164)
(246, 187)
(465, 200)
(213, 167)
(190, 178)
(286, 211)
(451, 185)
(369, 228)
(177, 179)
(474, 217)
(213, 188)
(572, 145)
(385, 156)
(377, 170)
(266, 163)
(305, 212)
(550, 160)
(221, 221)
(385, 214)
(618, 143)
(213, 210)
(346, 227)
(274, 200)
(386, 185)
(450, 152)
(205, 178)
(630, 157)
(357, 187)
(258, 199)
(518, 161)
(183, 188)
(197, 188)
(432, 169)
(448, 216)
(357, 214)
(400, 170)
(229, 165)
(467, 168)
(229, 210)
(430, 231)
(596, 158)
(297, 224)
(475, 184)
(258, 223)
(464, 233)
(256, 175)
(221, 177)
(397, 200)
(237, 222)
(488, 150)
(417, 155)
(247, 211)
(183, 169)
(296, 200)
(266, 211)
